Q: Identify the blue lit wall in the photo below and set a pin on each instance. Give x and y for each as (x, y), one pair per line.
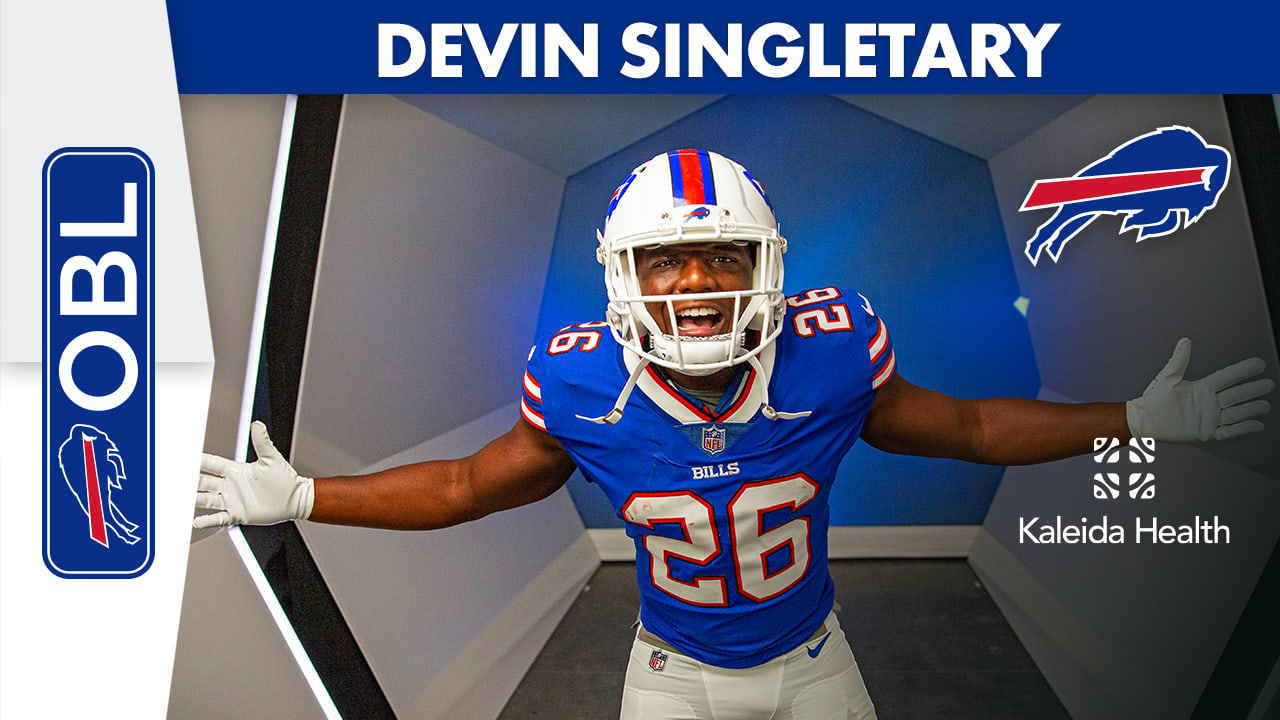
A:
(867, 204)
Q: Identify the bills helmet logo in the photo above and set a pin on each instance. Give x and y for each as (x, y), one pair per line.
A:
(759, 188)
(699, 214)
(1160, 181)
(617, 195)
(93, 469)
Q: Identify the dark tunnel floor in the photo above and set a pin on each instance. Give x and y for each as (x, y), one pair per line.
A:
(928, 638)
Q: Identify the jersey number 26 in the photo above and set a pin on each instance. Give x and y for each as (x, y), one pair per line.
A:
(751, 544)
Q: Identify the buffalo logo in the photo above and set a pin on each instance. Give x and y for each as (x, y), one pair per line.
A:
(713, 439)
(93, 469)
(1160, 181)
(1138, 451)
(657, 660)
(759, 188)
(617, 195)
(699, 214)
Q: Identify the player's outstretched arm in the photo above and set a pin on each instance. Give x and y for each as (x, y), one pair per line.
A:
(912, 420)
(520, 467)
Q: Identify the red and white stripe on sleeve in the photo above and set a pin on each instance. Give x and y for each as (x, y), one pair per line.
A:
(531, 402)
(883, 361)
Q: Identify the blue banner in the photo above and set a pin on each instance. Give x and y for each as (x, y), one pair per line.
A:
(396, 46)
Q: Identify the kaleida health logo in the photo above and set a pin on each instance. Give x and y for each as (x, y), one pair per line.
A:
(1124, 475)
(1110, 485)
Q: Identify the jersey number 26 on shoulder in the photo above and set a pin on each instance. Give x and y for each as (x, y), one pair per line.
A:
(833, 318)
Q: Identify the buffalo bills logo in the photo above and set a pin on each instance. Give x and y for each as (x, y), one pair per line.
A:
(617, 196)
(699, 214)
(759, 188)
(1160, 181)
(93, 469)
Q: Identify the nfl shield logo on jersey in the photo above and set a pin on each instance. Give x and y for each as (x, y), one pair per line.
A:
(712, 439)
(657, 660)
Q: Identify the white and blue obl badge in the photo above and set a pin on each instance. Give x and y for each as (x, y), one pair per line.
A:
(98, 362)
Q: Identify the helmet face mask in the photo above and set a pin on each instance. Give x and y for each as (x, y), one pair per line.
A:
(692, 197)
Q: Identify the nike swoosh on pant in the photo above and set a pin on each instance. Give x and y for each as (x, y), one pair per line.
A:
(813, 651)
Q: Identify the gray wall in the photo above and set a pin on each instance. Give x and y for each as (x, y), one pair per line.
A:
(431, 268)
(432, 264)
(226, 638)
(231, 661)
(231, 148)
(1134, 630)
(434, 593)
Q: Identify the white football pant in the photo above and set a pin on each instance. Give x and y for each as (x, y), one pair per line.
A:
(793, 686)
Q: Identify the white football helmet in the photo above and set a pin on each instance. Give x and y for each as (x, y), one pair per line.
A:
(692, 196)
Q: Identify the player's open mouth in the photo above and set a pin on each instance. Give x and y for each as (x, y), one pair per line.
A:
(700, 321)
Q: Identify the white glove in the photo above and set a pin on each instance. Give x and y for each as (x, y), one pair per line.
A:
(1214, 407)
(260, 493)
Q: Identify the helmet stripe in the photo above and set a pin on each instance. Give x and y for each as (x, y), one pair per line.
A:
(691, 179)
(756, 184)
(709, 183)
(677, 178)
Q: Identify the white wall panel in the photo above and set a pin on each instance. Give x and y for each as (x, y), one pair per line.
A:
(431, 270)
(231, 660)
(231, 149)
(432, 264)
(416, 600)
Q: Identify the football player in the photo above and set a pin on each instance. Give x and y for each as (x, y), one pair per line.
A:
(713, 411)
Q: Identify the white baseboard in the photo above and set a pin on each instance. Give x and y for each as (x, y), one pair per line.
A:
(613, 545)
(482, 677)
(843, 542)
(847, 542)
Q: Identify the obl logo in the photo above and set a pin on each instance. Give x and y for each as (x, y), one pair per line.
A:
(99, 337)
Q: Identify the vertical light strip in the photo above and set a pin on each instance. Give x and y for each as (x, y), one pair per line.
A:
(264, 277)
(246, 417)
(286, 630)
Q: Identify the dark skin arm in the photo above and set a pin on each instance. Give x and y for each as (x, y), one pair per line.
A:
(520, 467)
(526, 464)
(909, 420)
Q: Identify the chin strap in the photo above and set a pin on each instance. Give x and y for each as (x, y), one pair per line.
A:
(614, 415)
(767, 410)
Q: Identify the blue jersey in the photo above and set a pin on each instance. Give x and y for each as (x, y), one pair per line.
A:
(728, 509)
